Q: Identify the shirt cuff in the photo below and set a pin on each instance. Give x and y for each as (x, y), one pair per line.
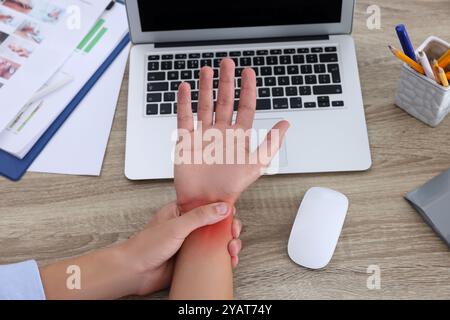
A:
(21, 281)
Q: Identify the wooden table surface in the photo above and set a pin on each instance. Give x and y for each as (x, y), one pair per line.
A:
(51, 217)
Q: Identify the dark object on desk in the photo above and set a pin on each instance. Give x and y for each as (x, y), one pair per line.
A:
(432, 201)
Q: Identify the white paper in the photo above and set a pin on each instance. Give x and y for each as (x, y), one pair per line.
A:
(79, 146)
(36, 38)
(28, 126)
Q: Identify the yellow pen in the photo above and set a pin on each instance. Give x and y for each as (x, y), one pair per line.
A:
(443, 77)
(444, 61)
(407, 60)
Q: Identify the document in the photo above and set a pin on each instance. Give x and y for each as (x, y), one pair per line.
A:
(79, 146)
(34, 119)
(36, 38)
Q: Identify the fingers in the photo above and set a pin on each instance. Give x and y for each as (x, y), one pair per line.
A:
(184, 108)
(272, 143)
(247, 103)
(206, 99)
(225, 98)
(234, 248)
(200, 217)
(236, 228)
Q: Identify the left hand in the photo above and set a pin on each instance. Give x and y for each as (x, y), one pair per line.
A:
(155, 247)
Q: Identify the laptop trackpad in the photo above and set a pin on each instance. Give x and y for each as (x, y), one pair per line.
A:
(261, 128)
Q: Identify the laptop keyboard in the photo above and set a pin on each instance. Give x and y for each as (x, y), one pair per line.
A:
(287, 78)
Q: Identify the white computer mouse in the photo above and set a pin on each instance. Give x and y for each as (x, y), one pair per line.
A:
(317, 227)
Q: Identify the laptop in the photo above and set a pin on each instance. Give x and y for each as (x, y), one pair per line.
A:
(306, 67)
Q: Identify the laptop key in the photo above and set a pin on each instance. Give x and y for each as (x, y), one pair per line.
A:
(262, 52)
(179, 65)
(194, 56)
(330, 49)
(181, 56)
(277, 92)
(192, 84)
(248, 53)
(258, 61)
(264, 92)
(237, 93)
(221, 54)
(310, 105)
(156, 76)
(280, 104)
(275, 51)
(272, 60)
(194, 95)
(153, 57)
(328, 57)
(296, 103)
(153, 66)
(259, 82)
(279, 70)
(312, 58)
(337, 103)
(235, 54)
(165, 108)
(297, 80)
(303, 50)
(291, 91)
(335, 73)
(306, 69)
(289, 51)
(323, 102)
(304, 91)
(152, 109)
(317, 50)
(172, 75)
(283, 81)
(193, 64)
(299, 59)
(324, 78)
(154, 97)
(320, 68)
(157, 86)
(266, 71)
(186, 75)
(194, 107)
(285, 60)
(310, 79)
(270, 81)
(263, 104)
(326, 90)
(169, 96)
(196, 74)
(293, 70)
(206, 62)
(167, 57)
(207, 55)
(166, 65)
(245, 62)
(174, 85)
(238, 72)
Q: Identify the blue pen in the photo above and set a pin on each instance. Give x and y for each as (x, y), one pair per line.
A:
(407, 46)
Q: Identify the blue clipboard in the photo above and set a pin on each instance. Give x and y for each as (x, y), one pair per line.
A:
(14, 168)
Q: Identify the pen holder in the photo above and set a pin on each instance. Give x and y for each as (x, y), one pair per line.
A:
(420, 96)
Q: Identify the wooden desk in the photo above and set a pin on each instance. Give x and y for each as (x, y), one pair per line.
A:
(51, 217)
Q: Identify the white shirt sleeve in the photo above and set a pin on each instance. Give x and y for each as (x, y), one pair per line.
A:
(21, 281)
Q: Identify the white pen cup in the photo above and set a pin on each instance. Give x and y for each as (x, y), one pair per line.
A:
(422, 97)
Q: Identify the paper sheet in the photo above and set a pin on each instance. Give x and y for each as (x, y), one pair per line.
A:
(28, 126)
(36, 38)
(80, 145)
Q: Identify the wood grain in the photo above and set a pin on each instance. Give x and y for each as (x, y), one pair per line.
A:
(52, 217)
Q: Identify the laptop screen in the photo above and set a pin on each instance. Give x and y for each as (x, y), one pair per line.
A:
(194, 14)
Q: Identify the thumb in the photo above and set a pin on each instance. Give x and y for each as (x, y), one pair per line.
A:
(200, 217)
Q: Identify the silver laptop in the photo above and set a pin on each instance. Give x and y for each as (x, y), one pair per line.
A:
(304, 59)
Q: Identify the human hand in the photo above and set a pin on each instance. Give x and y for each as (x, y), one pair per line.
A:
(198, 184)
(153, 249)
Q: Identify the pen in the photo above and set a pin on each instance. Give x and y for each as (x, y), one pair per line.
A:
(423, 58)
(50, 89)
(436, 71)
(443, 77)
(405, 41)
(444, 61)
(407, 60)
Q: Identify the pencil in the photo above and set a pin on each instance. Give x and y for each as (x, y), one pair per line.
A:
(444, 61)
(407, 60)
(443, 77)
(436, 71)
